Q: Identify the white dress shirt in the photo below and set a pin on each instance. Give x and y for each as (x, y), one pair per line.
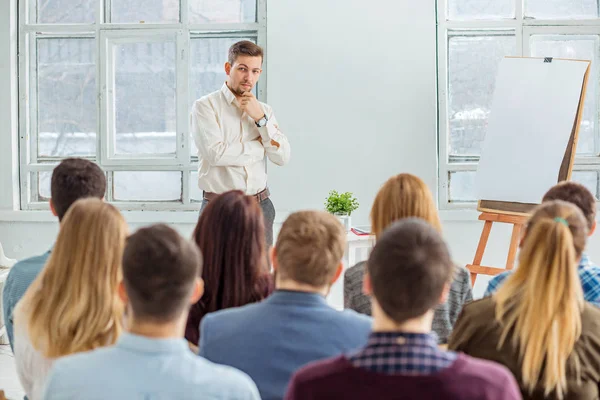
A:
(230, 157)
(32, 366)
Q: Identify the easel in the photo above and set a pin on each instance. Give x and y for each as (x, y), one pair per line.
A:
(518, 213)
(518, 221)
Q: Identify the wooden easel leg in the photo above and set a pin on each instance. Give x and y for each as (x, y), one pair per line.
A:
(485, 234)
(514, 245)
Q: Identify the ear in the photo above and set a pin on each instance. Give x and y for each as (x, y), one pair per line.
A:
(273, 257)
(227, 68)
(367, 286)
(444, 295)
(122, 292)
(592, 229)
(198, 291)
(52, 209)
(338, 272)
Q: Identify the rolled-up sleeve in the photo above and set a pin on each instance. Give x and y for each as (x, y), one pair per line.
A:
(276, 143)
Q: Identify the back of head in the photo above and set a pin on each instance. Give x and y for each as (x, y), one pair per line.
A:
(85, 264)
(231, 236)
(540, 304)
(409, 267)
(577, 194)
(159, 271)
(403, 196)
(74, 179)
(309, 248)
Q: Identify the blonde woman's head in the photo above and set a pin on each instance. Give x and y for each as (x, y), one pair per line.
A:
(73, 305)
(403, 196)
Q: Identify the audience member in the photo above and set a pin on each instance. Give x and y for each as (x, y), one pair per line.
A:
(409, 273)
(295, 325)
(537, 323)
(160, 281)
(231, 238)
(405, 196)
(589, 273)
(72, 306)
(72, 179)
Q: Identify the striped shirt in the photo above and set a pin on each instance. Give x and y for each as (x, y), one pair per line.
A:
(399, 353)
(589, 274)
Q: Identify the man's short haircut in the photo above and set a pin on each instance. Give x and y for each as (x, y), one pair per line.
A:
(74, 179)
(409, 267)
(159, 271)
(310, 247)
(244, 48)
(577, 194)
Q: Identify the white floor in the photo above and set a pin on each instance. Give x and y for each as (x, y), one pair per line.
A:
(9, 382)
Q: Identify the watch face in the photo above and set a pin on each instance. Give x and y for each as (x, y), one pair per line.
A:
(262, 122)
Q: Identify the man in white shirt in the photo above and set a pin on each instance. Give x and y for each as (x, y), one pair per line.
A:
(234, 132)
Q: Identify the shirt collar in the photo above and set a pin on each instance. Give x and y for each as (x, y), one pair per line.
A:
(585, 260)
(297, 297)
(229, 96)
(403, 339)
(150, 345)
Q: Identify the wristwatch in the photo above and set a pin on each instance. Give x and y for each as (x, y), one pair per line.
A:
(262, 122)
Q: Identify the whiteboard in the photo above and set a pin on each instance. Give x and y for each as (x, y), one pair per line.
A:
(534, 107)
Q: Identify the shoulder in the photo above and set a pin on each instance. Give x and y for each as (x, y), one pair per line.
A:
(321, 370)
(207, 101)
(232, 316)
(484, 372)
(590, 320)
(485, 307)
(355, 273)
(462, 275)
(27, 269)
(225, 376)
(81, 364)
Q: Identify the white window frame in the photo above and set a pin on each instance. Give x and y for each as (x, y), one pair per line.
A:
(105, 34)
(523, 29)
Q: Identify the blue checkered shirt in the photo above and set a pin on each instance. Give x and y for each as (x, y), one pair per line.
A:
(589, 274)
(396, 353)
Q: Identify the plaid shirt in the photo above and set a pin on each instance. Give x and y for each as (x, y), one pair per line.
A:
(589, 274)
(402, 354)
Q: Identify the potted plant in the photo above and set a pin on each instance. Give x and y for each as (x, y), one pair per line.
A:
(341, 205)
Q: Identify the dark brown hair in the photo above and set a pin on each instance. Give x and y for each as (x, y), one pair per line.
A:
(577, 194)
(231, 236)
(159, 269)
(310, 247)
(408, 267)
(74, 179)
(244, 48)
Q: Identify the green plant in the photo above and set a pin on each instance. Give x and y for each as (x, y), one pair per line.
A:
(341, 203)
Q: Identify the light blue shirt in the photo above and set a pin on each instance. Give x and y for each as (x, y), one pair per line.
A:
(20, 277)
(142, 368)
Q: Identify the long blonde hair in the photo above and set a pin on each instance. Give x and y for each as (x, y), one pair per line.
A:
(540, 305)
(73, 306)
(403, 196)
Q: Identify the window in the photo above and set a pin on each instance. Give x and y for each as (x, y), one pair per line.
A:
(113, 81)
(473, 36)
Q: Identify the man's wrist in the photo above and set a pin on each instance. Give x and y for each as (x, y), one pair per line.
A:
(259, 118)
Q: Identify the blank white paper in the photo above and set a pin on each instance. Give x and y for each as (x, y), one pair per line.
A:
(533, 110)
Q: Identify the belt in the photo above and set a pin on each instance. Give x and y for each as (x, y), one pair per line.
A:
(260, 196)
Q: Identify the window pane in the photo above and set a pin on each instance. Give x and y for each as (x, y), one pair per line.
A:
(63, 11)
(222, 11)
(145, 98)
(147, 185)
(477, 9)
(40, 185)
(582, 48)
(561, 9)
(461, 187)
(66, 97)
(207, 74)
(589, 179)
(472, 66)
(195, 191)
(136, 11)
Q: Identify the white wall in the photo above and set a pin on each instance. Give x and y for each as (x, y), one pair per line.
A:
(353, 85)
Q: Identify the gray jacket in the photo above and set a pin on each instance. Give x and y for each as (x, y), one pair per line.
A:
(445, 314)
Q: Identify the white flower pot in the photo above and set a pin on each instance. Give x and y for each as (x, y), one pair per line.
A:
(346, 221)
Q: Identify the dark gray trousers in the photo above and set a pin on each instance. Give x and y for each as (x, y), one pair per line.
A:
(268, 214)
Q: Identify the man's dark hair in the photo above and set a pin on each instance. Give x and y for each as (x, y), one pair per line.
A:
(577, 194)
(159, 271)
(409, 267)
(74, 179)
(244, 48)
